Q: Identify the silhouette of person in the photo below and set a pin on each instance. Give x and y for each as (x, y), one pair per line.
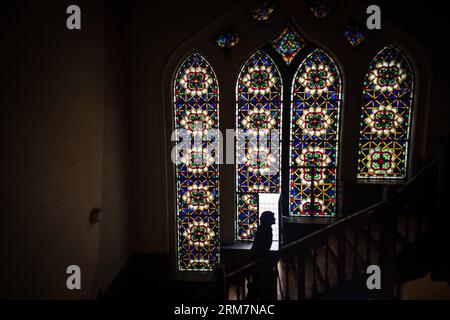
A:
(264, 280)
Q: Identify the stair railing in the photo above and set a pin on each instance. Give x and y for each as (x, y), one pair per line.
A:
(341, 252)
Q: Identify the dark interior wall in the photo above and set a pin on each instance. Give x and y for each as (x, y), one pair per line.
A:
(64, 151)
(116, 220)
(156, 30)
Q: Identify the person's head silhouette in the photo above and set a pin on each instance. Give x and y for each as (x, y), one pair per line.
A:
(267, 218)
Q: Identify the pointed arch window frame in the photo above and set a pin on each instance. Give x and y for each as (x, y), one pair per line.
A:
(383, 150)
(330, 104)
(288, 100)
(247, 215)
(196, 105)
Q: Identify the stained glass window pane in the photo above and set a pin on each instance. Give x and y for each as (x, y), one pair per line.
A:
(258, 144)
(354, 33)
(289, 43)
(228, 38)
(316, 102)
(196, 112)
(318, 8)
(270, 202)
(385, 117)
(263, 11)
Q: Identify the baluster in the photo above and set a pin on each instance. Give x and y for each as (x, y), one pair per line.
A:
(301, 294)
(245, 288)
(369, 238)
(279, 280)
(341, 256)
(314, 287)
(355, 255)
(220, 285)
(238, 290)
(406, 239)
(419, 226)
(287, 278)
(249, 285)
(327, 281)
(388, 239)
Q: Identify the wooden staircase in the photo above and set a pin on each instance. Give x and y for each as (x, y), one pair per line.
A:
(396, 234)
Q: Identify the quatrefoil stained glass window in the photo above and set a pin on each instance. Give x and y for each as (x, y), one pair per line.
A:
(289, 43)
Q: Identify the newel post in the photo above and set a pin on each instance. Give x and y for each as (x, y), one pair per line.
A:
(220, 287)
(341, 256)
(388, 248)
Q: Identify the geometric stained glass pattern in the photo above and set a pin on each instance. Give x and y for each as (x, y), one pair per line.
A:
(315, 111)
(227, 39)
(386, 116)
(263, 11)
(196, 114)
(354, 34)
(288, 44)
(318, 8)
(259, 95)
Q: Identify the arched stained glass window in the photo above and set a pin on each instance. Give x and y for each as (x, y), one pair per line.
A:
(385, 117)
(196, 112)
(258, 123)
(315, 109)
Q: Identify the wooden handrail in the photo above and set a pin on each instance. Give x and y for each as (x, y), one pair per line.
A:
(425, 169)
